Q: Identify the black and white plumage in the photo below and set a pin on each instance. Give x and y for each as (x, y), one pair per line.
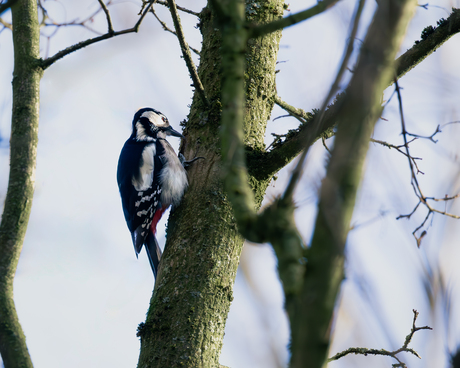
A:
(150, 178)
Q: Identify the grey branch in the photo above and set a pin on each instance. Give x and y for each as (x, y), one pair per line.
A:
(414, 181)
(186, 52)
(404, 348)
(265, 164)
(297, 172)
(398, 148)
(167, 29)
(185, 10)
(299, 114)
(261, 30)
(415, 55)
(49, 61)
(107, 14)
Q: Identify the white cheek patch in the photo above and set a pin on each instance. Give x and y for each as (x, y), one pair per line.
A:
(141, 135)
(144, 181)
(155, 119)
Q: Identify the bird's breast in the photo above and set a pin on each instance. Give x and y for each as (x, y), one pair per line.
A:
(173, 177)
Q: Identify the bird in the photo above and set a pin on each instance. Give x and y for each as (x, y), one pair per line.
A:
(151, 177)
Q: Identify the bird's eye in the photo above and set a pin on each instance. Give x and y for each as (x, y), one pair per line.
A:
(163, 118)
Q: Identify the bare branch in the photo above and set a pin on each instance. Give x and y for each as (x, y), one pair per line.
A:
(431, 137)
(296, 174)
(186, 52)
(6, 24)
(260, 30)
(5, 6)
(107, 14)
(49, 61)
(415, 184)
(325, 145)
(299, 114)
(412, 57)
(47, 21)
(265, 164)
(398, 148)
(166, 28)
(185, 10)
(404, 348)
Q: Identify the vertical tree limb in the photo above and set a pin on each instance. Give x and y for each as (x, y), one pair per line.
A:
(23, 153)
(356, 119)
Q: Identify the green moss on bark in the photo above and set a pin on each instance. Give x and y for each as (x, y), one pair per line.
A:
(23, 153)
(189, 307)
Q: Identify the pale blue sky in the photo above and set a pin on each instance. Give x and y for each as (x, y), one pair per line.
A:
(80, 291)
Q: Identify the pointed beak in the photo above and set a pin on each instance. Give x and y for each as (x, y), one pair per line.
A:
(170, 131)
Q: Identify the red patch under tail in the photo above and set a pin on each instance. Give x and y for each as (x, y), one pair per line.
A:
(156, 217)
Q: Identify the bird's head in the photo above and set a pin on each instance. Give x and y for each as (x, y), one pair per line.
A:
(150, 124)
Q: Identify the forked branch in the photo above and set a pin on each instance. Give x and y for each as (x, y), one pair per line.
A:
(392, 354)
(185, 10)
(167, 29)
(261, 30)
(296, 174)
(414, 181)
(265, 164)
(59, 55)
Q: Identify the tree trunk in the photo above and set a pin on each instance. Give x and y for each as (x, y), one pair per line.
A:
(23, 153)
(189, 307)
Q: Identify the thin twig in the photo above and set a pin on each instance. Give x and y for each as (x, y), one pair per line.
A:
(75, 22)
(186, 52)
(299, 114)
(368, 222)
(166, 28)
(185, 10)
(107, 14)
(404, 348)
(261, 30)
(325, 145)
(59, 55)
(415, 184)
(265, 166)
(430, 137)
(59, 25)
(296, 174)
(277, 140)
(6, 24)
(398, 148)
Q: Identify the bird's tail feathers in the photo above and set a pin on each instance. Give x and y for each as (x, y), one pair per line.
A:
(138, 240)
(153, 252)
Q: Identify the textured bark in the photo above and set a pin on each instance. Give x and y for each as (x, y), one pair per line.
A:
(23, 152)
(186, 319)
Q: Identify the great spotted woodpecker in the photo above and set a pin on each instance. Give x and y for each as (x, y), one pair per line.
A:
(150, 178)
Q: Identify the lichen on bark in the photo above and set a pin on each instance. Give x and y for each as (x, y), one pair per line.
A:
(186, 319)
(21, 183)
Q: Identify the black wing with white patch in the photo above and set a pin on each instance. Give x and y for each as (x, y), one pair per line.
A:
(145, 206)
(140, 189)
